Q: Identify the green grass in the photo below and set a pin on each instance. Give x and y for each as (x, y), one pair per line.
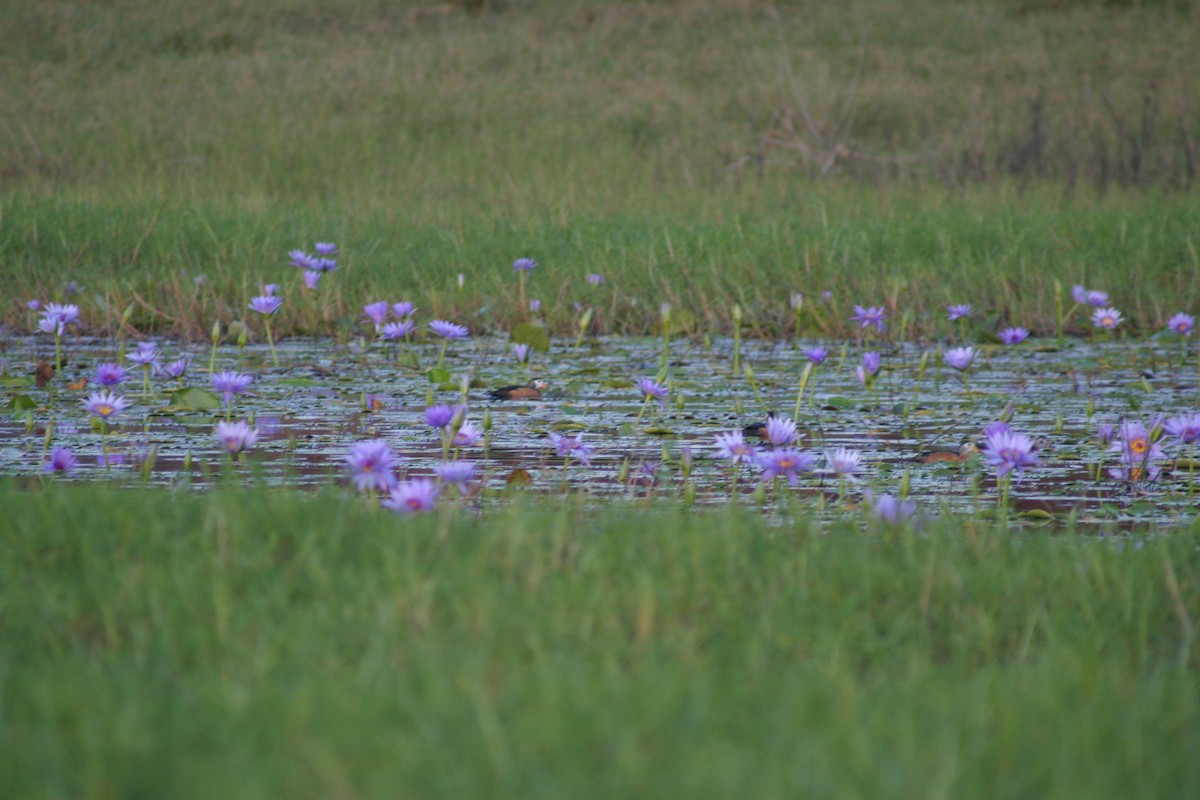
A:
(136, 262)
(264, 644)
(695, 152)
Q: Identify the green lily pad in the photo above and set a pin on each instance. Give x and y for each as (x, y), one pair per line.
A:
(533, 335)
(193, 398)
(21, 402)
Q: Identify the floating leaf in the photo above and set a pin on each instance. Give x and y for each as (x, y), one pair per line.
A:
(21, 402)
(437, 376)
(659, 430)
(682, 321)
(618, 383)
(193, 398)
(533, 335)
(568, 425)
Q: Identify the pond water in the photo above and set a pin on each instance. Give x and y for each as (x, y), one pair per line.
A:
(310, 411)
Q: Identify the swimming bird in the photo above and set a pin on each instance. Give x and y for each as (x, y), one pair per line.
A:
(758, 430)
(525, 391)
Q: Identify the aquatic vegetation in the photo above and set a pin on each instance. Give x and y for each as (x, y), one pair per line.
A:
(871, 317)
(371, 466)
(1106, 318)
(62, 460)
(413, 496)
(1014, 335)
(236, 437)
(862, 430)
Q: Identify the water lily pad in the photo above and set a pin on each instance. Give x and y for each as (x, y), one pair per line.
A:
(193, 398)
(21, 402)
(533, 335)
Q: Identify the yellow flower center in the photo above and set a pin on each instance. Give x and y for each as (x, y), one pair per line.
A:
(1138, 446)
(104, 409)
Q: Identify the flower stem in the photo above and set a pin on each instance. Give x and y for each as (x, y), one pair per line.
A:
(271, 341)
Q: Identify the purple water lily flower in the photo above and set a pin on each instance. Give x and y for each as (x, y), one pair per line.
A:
(781, 431)
(817, 355)
(651, 388)
(448, 330)
(326, 264)
(1181, 323)
(869, 368)
(796, 301)
(870, 316)
(521, 353)
(535, 306)
(230, 383)
(236, 437)
(1185, 427)
(325, 248)
(1138, 453)
(457, 473)
(1106, 318)
(33, 305)
(889, 509)
(403, 309)
(301, 259)
(1079, 294)
(467, 434)
(376, 312)
(1105, 432)
(1013, 335)
(524, 264)
(1007, 450)
(270, 289)
(955, 312)
(733, 446)
(57, 316)
(66, 313)
(571, 447)
(845, 463)
(266, 304)
(997, 428)
(104, 404)
(871, 363)
(960, 358)
(311, 278)
(147, 354)
(442, 415)
(62, 460)
(398, 330)
(371, 465)
(111, 374)
(1095, 298)
(785, 463)
(595, 279)
(175, 370)
(413, 497)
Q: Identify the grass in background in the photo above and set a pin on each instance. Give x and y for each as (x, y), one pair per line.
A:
(695, 152)
(137, 264)
(247, 644)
